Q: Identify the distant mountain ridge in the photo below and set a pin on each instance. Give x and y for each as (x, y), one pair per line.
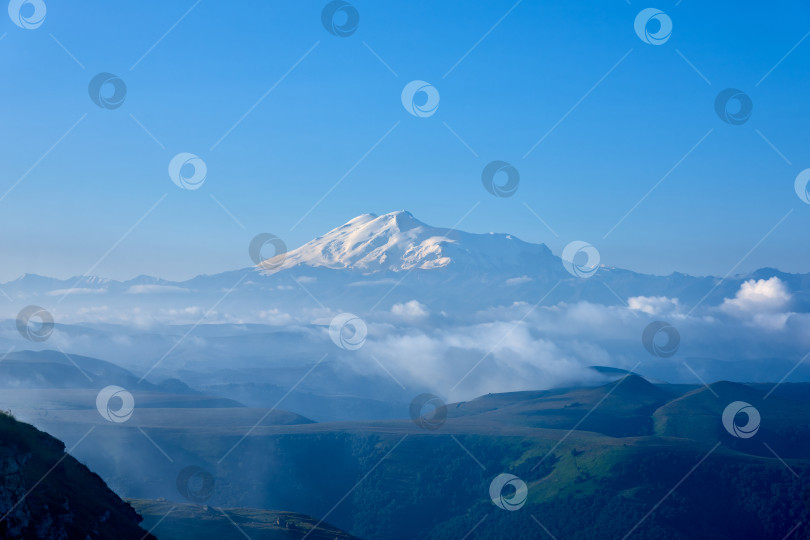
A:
(392, 242)
(427, 263)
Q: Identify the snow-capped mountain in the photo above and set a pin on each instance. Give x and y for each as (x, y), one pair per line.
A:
(399, 242)
(374, 262)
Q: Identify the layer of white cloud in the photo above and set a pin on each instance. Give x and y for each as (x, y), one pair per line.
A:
(518, 280)
(76, 290)
(460, 354)
(653, 305)
(274, 317)
(410, 310)
(155, 289)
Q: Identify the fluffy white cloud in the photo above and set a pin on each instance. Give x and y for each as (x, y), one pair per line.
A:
(275, 317)
(653, 305)
(410, 310)
(190, 311)
(756, 297)
(761, 303)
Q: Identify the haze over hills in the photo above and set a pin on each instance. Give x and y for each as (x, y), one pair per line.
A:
(435, 302)
(47, 494)
(615, 446)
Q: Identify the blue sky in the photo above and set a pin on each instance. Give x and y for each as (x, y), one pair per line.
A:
(508, 92)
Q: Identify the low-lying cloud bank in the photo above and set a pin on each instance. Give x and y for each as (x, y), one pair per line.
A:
(505, 348)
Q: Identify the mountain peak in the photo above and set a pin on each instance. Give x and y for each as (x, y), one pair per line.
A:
(362, 218)
(401, 220)
(371, 243)
(397, 241)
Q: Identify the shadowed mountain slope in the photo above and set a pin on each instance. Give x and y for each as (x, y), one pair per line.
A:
(45, 493)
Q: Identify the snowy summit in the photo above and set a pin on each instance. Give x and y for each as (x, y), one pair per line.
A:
(397, 241)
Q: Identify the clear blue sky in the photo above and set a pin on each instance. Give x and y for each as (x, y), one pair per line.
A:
(507, 93)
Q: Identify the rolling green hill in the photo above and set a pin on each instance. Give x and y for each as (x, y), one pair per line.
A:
(626, 459)
(625, 408)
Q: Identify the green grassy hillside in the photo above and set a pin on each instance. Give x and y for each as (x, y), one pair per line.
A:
(625, 458)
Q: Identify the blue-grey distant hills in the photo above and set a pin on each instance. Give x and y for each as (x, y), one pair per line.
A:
(446, 311)
(377, 261)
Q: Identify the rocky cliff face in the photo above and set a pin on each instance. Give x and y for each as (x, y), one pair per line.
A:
(12, 489)
(47, 494)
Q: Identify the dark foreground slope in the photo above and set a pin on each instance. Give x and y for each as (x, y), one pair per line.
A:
(45, 493)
